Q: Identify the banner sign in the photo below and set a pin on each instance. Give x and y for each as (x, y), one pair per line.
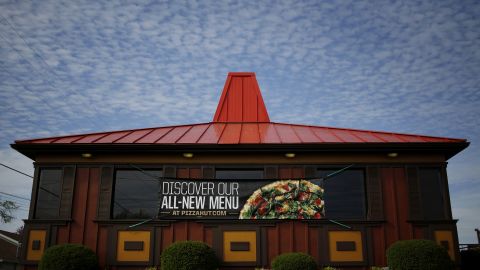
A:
(240, 199)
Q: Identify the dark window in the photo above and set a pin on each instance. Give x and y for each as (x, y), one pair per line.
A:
(239, 174)
(432, 193)
(136, 194)
(344, 194)
(48, 196)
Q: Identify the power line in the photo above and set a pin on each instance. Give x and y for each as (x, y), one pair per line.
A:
(18, 34)
(15, 170)
(15, 196)
(40, 187)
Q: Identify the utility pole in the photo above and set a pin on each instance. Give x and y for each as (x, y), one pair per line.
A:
(478, 235)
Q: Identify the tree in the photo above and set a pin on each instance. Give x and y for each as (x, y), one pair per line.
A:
(6, 210)
(19, 230)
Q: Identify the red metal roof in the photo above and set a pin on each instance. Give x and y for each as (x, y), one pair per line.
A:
(241, 133)
(241, 118)
(241, 100)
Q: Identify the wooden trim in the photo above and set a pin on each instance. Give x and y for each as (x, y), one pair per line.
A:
(208, 172)
(374, 194)
(25, 239)
(365, 250)
(264, 246)
(252, 158)
(414, 193)
(170, 171)
(271, 172)
(446, 227)
(218, 244)
(67, 192)
(157, 246)
(113, 242)
(105, 192)
(33, 202)
(446, 192)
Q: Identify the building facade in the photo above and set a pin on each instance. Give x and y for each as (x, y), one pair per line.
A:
(250, 188)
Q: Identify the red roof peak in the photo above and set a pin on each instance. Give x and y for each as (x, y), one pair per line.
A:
(241, 100)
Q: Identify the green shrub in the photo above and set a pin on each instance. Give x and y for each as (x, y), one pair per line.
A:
(418, 254)
(68, 257)
(294, 261)
(189, 255)
(470, 259)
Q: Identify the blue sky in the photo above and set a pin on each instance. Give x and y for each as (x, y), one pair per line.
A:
(401, 66)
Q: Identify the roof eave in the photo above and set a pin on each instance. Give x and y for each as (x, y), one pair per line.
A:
(449, 149)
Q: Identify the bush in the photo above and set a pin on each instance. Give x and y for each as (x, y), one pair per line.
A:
(470, 259)
(68, 257)
(418, 254)
(294, 261)
(189, 255)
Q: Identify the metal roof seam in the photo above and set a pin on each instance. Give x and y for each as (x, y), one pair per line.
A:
(316, 136)
(375, 131)
(296, 134)
(358, 137)
(420, 138)
(240, 134)
(165, 134)
(376, 136)
(242, 92)
(146, 134)
(260, 96)
(223, 98)
(398, 137)
(278, 134)
(335, 135)
(203, 132)
(221, 133)
(185, 132)
(81, 138)
(121, 137)
(101, 137)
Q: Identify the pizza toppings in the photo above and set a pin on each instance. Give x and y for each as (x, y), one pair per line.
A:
(287, 199)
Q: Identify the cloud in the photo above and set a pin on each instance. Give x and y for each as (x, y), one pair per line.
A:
(16, 184)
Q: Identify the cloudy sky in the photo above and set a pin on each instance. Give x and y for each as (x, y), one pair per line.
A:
(401, 66)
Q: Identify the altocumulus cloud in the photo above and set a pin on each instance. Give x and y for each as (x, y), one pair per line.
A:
(404, 66)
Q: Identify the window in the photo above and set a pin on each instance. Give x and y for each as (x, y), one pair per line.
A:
(432, 193)
(48, 196)
(136, 194)
(344, 194)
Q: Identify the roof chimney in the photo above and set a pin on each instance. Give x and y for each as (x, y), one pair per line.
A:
(241, 100)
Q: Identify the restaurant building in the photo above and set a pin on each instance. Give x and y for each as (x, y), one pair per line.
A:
(250, 188)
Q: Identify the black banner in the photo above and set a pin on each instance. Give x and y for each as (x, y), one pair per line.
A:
(240, 199)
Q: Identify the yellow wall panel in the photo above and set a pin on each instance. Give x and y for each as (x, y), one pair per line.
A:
(36, 235)
(133, 255)
(239, 236)
(345, 236)
(446, 236)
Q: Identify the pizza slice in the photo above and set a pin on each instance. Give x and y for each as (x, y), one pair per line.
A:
(285, 199)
